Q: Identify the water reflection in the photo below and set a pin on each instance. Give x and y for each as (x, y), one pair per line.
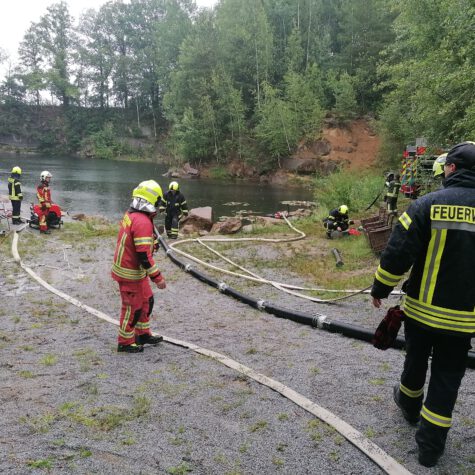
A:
(104, 187)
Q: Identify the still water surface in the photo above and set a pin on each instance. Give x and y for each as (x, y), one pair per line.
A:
(104, 187)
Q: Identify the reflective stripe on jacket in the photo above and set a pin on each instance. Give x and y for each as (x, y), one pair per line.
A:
(43, 194)
(14, 190)
(436, 236)
(174, 203)
(135, 235)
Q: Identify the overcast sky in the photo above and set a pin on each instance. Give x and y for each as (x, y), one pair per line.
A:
(17, 15)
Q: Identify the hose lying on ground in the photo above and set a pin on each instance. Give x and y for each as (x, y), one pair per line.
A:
(316, 320)
(375, 453)
(290, 289)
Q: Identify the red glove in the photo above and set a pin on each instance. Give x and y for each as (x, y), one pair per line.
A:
(388, 329)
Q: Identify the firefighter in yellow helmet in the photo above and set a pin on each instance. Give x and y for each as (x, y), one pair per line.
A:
(134, 265)
(337, 220)
(175, 207)
(438, 166)
(15, 195)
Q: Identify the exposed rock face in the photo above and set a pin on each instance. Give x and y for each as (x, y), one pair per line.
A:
(230, 226)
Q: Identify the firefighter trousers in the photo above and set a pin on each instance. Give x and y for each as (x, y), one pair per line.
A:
(449, 358)
(171, 225)
(16, 209)
(137, 306)
(42, 218)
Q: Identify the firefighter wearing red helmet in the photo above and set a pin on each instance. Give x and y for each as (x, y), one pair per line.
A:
(43, 193)
(436, 237)
(134, 265)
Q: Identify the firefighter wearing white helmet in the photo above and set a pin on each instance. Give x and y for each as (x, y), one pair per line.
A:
(43, 193)
(337, 220)
(175, 206)
(15, 194)
(134, 265)
(438, 166)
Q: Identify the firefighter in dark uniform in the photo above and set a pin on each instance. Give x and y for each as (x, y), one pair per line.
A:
(392, 184)
(15, 195)
(436, 236)
(337, 220)
(175, 207)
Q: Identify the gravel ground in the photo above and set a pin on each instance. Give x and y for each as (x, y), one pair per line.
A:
(71, 404)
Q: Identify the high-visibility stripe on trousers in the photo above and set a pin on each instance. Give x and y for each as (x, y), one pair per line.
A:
(137, 306)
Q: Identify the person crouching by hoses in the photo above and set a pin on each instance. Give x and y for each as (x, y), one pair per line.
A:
(43, 193)
(175, 207)
(134, 265)
(337, 220)
(15, 195)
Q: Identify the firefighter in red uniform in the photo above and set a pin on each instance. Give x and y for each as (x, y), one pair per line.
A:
(436, 237)
(43, 193)
(133, 265)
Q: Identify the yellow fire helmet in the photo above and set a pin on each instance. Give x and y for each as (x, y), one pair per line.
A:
(343, 209)
(174, 186)
(16, 170)
(150, 191)
(438, 165)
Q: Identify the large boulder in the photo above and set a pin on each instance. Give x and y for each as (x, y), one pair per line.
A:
(199, 219)
(230, 226)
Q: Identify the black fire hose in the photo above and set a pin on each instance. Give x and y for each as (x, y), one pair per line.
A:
(318, 320)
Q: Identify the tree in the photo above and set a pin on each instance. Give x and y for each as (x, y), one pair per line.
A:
(56, 40)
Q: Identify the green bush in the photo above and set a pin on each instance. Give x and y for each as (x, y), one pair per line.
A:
(356, 190)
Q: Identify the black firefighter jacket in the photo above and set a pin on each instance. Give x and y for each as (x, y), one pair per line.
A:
(436, 236)
(174, 204)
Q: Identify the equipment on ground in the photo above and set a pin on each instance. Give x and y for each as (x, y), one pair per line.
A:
(339, 260)
(53, 220)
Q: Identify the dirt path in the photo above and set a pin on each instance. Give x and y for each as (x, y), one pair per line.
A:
(71, 404)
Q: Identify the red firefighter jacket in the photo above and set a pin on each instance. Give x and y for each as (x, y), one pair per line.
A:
(43, 193)
(133, 260)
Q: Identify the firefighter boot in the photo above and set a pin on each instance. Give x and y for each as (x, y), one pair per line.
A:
(133, 348)
(411, 415)
(431, 442)
(148, 339)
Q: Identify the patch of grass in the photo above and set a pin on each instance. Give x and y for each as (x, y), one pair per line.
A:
(369, 432)
(385, 366)
(377, 381)
(181, 469)
(41, 463)
(87, 358)
(314, 370)
(251, 351)
(40, 424)
(243, 448)
(49, 360)
(26, 374)
(278, 461)
(259, 425)
(27, 348)
(334, 455)
(84, 453)
(283, 416)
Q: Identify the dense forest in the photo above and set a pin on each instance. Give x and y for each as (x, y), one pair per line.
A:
(248, 79)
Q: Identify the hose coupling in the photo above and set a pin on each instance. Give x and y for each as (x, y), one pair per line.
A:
(168, 251)
(188, 267)
(222, 287)
(319, 321)
(261, 304)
